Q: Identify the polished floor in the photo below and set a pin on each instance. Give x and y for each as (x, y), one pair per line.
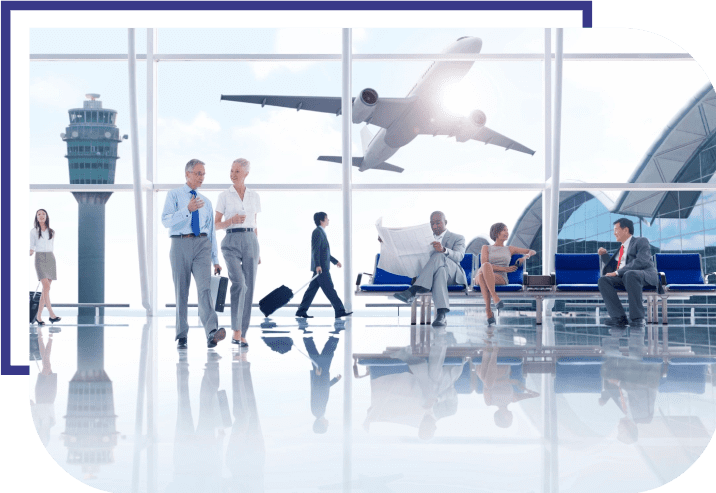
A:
(376, 405)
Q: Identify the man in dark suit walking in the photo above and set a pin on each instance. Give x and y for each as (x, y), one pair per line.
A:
(630, 268)
(321, 260)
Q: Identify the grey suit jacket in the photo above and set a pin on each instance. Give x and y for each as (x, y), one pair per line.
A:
(320, 251)
(455, 245)
(638, 257)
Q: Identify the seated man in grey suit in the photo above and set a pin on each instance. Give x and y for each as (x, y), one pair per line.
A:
(630, 268)
(442, 269)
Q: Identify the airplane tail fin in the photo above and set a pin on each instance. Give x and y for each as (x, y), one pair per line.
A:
(357, 161)
(365, 136)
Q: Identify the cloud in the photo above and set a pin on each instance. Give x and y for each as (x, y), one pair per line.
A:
(175, 132)
(301, 40)
(54, 92)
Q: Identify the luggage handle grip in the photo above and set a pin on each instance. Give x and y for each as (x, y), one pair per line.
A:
(309, 282)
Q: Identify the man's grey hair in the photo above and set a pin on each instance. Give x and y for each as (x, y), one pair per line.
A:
(190, 165)
(441, 214)
(244, 163)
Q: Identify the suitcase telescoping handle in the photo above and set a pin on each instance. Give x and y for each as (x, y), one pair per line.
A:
(309, 282)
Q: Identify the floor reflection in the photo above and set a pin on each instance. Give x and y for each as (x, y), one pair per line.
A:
(570, 399)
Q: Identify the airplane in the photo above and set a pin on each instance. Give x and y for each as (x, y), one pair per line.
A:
(402, 119)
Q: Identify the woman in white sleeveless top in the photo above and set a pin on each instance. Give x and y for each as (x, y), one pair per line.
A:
(42, 239)
(240, 247)
(495, 264)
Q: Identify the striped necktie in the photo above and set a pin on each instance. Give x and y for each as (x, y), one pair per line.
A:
(195, 218)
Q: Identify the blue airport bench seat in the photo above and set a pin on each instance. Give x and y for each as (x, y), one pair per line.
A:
(682, 272)
(681, 275)
(384, 281)
(515, 280)
(576, 271)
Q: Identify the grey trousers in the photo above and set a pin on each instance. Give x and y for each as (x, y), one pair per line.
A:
(633, 281)
(192, 256)
(435, 277)
(241, 252)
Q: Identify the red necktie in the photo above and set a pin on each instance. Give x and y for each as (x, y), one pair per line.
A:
(621, 252)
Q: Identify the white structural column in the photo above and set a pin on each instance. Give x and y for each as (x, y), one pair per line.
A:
(136, 171)
(554, 179)
(346, 129)
(150, 195)
(547, 193)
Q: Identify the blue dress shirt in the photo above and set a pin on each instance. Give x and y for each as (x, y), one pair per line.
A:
(177, 218)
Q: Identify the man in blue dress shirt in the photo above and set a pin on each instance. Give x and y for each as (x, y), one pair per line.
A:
(190, 220)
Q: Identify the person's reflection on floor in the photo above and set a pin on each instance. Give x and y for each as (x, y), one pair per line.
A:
(632, 384)
(421, 396)
(498, 388)
(245, 453)
(197, 452)
(43, 407)
(321, 381)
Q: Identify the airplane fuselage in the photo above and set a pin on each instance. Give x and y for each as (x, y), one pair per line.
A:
(425, 108)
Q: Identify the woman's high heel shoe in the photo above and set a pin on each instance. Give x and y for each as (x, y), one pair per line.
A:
(56, 319)
(499, 305)
(491, 321)
(39, 322)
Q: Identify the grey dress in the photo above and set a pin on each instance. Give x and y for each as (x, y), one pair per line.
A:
(499, 255)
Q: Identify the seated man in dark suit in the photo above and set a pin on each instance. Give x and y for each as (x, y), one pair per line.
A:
(442, 269)
(630, 268)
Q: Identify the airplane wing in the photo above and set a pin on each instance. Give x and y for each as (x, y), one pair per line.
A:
(489, 136)
(463, 131)
(309, 103)
(387, 110)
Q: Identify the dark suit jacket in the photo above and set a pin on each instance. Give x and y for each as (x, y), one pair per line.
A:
(638, 257)
(320, 251)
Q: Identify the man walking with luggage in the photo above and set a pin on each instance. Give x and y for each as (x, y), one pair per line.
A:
(189, 217)
(321, 260)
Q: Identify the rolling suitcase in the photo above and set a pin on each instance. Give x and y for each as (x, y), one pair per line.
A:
(34, 303)
(278, 298)
(218, 292)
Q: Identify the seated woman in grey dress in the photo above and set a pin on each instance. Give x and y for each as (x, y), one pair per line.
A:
(495, 264)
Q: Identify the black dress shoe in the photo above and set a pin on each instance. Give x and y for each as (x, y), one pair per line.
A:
(40, 322)
(215, 336)
(440, 320)
(637, 322)
(616, 322)
(303, 315)
(56, 319)
(239, 342)
(181, 343)
(343, 314)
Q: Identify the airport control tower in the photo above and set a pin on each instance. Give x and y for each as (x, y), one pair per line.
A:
(92, 138)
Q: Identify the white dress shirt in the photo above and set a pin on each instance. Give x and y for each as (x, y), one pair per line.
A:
(230, 204)
(440, 239)
(624, 256)
(42, 244)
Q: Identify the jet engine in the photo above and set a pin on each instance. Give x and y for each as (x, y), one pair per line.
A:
(364, 105)
(470, 126)
(478, 117)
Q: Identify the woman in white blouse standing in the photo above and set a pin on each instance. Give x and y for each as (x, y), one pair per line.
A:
(240, 247)
(42, 238)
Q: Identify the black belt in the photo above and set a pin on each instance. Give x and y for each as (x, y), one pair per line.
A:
(190, 235)
(239, 230)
